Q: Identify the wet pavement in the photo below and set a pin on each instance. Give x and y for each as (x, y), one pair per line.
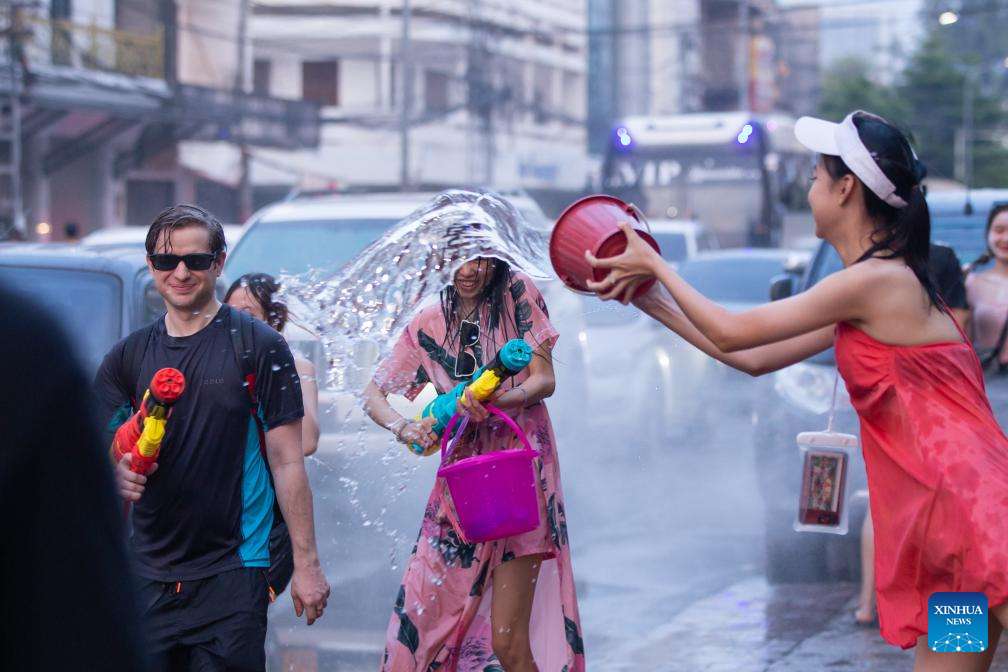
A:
(667, 544)
(748, 626)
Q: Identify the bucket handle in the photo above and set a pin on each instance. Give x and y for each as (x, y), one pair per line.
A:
(639, 215)
(446, 452)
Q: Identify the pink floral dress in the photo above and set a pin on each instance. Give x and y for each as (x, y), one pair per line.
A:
(441, 618)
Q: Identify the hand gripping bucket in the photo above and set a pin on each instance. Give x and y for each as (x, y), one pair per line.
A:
(493, 495)
(592, 223)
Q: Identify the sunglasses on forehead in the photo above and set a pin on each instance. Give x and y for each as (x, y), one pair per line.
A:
(465, 361)
(199, 261)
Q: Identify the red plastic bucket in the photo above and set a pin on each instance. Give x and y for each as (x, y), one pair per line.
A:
(592, 223)
(493, 495)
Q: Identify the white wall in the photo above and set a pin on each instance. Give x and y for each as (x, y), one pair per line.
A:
(358, 83)
(208, 42)
(444, 150)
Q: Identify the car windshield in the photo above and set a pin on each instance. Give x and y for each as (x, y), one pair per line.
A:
(87, 304)
(298, 246)
(735, 279)
(672, 245)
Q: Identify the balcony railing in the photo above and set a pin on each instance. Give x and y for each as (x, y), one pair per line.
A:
(90, 47)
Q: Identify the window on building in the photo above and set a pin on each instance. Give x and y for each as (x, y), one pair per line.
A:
(320, 82)
(261, 71)
(435, 91)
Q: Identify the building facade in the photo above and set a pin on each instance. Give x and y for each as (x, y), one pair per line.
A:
(494, 92)
(107, 91)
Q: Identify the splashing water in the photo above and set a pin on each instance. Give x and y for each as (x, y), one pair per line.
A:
(358, 311)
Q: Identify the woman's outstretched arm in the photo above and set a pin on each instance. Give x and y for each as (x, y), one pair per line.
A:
(754, 361)
(837, 298)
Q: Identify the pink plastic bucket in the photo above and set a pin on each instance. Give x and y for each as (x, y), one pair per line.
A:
(592, 223)
(493, 495)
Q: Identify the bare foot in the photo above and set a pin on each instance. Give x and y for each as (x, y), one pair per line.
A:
(865, 616)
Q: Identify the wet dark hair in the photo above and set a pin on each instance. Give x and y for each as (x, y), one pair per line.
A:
(263, 287)
(182, 216)
(902, 232)
(489, 306)
(996, 210)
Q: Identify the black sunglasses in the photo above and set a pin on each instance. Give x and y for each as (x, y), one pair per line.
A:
(465, 362)
(199, 261)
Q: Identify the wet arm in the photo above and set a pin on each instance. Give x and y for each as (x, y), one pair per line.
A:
(309, 393)
(378, 408)
(838, 298)
(540, 384)
(286, 462)
(754, 361)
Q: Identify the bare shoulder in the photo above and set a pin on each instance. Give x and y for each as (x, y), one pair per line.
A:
(891, 273)
(863, 275)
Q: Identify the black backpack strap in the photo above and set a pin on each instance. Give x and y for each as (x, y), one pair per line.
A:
(240, 326)
(132, 359)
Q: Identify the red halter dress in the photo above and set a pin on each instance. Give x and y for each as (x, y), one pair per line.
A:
(937, 465)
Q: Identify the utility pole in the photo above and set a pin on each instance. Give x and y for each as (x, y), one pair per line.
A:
(743, 60)
(969, 91)
(241, 82)
(407, 98)
(14, 101)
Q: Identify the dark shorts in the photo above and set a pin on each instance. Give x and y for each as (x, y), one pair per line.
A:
(217, 624)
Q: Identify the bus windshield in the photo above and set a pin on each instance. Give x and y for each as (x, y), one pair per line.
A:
(744, 187)
(715, 185)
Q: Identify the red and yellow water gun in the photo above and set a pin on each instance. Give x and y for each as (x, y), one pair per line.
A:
(143, 433)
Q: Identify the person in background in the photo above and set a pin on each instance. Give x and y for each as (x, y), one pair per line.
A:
(71, 232)
(68, 602)
(988, 292)
(254, 293)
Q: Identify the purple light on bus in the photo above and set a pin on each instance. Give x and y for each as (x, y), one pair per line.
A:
(623, 137)
(745, 134)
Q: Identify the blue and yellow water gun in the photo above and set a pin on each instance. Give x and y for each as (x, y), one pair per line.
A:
(512, 358)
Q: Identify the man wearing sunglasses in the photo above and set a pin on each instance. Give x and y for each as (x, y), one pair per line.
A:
(202, 517)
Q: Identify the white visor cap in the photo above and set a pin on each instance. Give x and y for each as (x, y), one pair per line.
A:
(826, 137)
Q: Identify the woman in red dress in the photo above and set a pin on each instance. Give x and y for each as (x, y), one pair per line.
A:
(937, 461)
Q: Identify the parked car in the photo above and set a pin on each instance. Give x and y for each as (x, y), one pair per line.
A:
(136, 237)
(681, 239)
(798, 398)
(370, 492)
(98, 297)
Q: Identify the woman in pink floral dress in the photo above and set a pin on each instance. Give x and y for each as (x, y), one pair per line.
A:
(500, 606)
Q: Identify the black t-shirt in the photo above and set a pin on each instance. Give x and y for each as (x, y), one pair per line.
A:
(948, 276)
(68, 602)
(209, 506)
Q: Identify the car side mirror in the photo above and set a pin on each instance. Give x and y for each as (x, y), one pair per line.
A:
(782, 286)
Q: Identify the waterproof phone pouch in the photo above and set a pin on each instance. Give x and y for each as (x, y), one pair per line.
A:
(822, 500)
